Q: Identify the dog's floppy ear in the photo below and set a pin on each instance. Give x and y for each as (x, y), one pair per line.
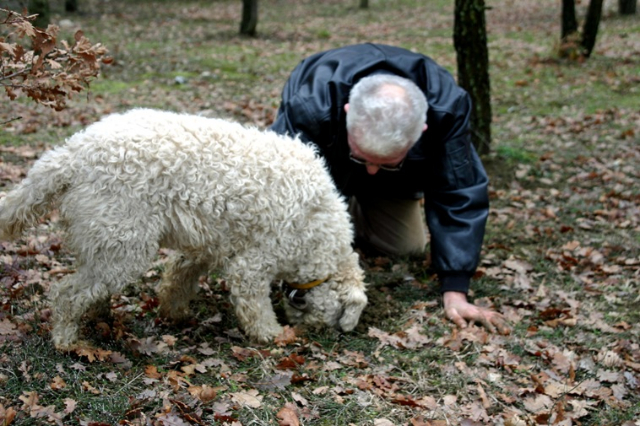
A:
(353, 303)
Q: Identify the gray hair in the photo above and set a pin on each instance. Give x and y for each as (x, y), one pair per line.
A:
(386, 114)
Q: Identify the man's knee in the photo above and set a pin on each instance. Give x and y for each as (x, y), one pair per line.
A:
(392, 226)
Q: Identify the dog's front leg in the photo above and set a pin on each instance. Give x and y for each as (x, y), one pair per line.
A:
(255, 312)
(250, 287)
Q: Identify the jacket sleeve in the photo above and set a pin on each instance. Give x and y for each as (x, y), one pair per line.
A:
(457, 206)
(294, 120)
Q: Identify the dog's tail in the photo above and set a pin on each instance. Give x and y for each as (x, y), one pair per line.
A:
(32, 198)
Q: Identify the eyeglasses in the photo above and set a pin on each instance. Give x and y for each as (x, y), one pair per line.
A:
(387, 168)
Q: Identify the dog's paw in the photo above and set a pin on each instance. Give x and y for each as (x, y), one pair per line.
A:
(74, 346)
(264, 333)
(176, 314)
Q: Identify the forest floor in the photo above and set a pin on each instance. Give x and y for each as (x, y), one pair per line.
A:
(561, 258)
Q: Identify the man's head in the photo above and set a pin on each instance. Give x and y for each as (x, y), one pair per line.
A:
(386, 115)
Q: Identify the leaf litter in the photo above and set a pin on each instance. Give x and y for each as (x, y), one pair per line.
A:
(560, 261)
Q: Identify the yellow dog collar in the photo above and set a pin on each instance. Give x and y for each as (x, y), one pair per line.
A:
(307, 286)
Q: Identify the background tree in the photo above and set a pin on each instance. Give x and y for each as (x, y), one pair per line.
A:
(249, 21)
(470, 41)
(590, 27)
(71, 5)
(627, 7)
(569, 21)
(41, 8)
(573, 44)
(364, 4)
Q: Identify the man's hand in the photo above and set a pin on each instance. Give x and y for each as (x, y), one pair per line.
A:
(459, 310)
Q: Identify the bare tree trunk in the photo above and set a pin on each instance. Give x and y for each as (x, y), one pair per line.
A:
(569, 21)
(470, 41)
(627, 7)
(41, 7)
(249, 21)
(590, 27)
(71, 5)
(364, 4)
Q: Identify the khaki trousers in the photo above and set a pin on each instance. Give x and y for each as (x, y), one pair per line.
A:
(392, 226)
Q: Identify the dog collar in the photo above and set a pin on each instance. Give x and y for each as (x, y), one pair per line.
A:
(307, 286)
(295, 292)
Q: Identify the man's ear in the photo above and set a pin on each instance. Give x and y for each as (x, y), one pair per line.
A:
(346, 109)
(424, 129)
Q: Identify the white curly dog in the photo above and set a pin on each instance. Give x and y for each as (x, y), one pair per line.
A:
(258, 206)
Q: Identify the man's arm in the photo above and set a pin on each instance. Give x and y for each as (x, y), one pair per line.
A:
(456, 202)
(456, 213)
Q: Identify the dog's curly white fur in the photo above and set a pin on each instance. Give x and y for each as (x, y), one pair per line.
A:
(259, 206)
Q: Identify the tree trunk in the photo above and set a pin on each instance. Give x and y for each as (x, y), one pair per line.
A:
(364, 4)
(41, 7)
(470, 41)
(627, 7)
(249, 21)
(71, 5)
(590, 27)
(569, 21)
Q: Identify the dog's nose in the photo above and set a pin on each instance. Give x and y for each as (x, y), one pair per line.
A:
(296, 299)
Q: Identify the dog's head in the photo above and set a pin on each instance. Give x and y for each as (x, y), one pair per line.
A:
(337, 302)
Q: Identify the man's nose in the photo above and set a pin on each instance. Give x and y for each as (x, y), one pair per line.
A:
(372, 169)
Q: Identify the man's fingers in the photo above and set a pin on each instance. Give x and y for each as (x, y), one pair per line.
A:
(501, 325)
(486, 322)
(460, 322)
(491, 320)
(456, 318)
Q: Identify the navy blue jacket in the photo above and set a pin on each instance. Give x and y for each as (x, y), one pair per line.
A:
(442, 166)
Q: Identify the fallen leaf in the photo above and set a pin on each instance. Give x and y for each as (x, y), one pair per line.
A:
(151, 371)
(7, 327)
(287, 337)
(287, 417)
(278, 381)
(536, 404)
(250, 398)
(7, 415)
(70, 405)
(204, 393)
(58, 383)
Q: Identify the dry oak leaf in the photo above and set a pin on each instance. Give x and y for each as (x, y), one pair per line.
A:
(609, 359)
(86, 386)
(287, 417)
(469, 422)
(420, 421)
(250, 398)
(278, 381)
(58, 383)
(299, 399)
(204, 393)
(514, 420)
(7, 415)
(151, 371)
(70, 405)
(7, 327)
(176, 380)
(169, 339)
(292, 362)
(287, 337)
(536, 404)
(241, 354)
(92, 353)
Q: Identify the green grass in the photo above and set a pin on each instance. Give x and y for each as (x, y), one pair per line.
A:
(561, 120)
